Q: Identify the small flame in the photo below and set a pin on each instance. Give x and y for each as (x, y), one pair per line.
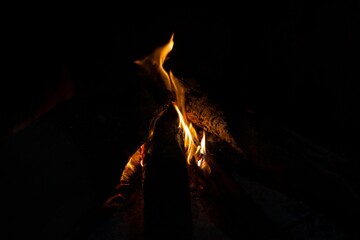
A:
(202, 150)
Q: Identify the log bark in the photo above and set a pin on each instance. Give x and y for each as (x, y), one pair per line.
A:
(207, 115)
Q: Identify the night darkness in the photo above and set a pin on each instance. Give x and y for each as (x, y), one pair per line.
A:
(290, 63)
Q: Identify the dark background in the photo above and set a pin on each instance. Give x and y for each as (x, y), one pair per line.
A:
(292, 62)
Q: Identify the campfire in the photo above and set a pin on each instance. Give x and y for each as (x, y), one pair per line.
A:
(175, 140)
(166, 162)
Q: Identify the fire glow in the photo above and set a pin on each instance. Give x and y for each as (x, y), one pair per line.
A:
(195, 148)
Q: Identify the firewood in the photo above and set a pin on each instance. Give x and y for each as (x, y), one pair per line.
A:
(167, 213)
(207, 115)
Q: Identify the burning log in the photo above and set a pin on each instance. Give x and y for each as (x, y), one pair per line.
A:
(129, 178)
(209, 116)
(197, 110)
(169, 90)
(167, 212)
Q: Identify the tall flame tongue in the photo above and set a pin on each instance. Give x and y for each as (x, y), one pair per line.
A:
(194, 148)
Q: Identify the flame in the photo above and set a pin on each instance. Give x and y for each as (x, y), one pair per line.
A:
(202, 151)
(157, 59)
(194, 148)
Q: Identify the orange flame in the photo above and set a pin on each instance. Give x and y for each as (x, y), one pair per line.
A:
(194, 148)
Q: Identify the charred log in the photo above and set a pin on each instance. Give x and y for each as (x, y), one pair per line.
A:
(207, 115)
(167, 211)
